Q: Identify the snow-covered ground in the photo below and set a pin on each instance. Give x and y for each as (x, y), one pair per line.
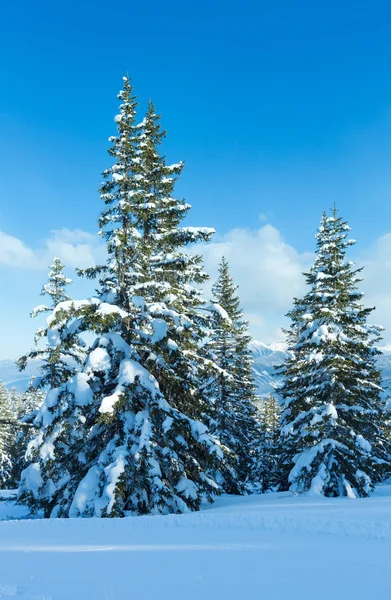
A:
(271, 547)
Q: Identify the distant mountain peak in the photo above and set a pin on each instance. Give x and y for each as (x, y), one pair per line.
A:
(260, 348)
(268, 356)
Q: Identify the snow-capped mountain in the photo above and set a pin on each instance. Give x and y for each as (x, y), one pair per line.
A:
(268, 356)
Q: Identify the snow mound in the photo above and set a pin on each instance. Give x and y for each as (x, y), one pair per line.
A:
(232, 550)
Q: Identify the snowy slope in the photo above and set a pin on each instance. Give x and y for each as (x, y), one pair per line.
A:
(266, 358)
(11, 377)
(271, 547)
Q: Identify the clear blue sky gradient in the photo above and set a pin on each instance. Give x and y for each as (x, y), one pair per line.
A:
(277, 107)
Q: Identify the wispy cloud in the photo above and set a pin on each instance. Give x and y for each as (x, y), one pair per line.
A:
(268, 271)
(76, 248)
(377, 280)
(266, 267)
(14, 253)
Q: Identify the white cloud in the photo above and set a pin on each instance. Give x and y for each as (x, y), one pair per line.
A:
(14, 253)
(377, 281)
(268, 271)
(75, 248)
(266, 268)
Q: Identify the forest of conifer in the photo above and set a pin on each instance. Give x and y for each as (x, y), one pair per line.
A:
(146, 401)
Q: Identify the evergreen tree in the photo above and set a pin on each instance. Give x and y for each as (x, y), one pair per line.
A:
(269, 414)
(231, 387)
(62, 353)
(14, 400)
(6, 437)
(24, 408)
(333, 411)
(122, 436)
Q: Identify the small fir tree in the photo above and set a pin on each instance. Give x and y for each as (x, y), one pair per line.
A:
(333, 411)
(7, 417)
(64, 349)
(231, 387)
(269, 414)
(24, 407)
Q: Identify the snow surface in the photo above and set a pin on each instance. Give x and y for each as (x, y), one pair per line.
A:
(271, 547)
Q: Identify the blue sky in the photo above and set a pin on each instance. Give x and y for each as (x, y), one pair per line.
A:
(279, 109)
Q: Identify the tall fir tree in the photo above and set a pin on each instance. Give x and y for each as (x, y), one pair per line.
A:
(231, 387)
(333, 411)
(61, 353)
(122, 436)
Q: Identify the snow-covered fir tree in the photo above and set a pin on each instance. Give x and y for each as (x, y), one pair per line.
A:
(7, 417)
(123, 435)
(269, 414)
(231, 387)
(24, 408)
(333, 411)
(61, 354)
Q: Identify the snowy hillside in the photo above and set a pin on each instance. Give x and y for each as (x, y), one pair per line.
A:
(272, 546)
(11, 377)
(268, 356)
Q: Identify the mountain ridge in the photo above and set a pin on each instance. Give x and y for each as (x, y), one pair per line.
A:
(266, 358)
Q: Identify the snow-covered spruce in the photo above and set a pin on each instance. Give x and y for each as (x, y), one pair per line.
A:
(123, 435)
(24, 407)
(61, 353)
(231, 387)
(15, 411)
(332, 424)
(7, 416)
(268, 456)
